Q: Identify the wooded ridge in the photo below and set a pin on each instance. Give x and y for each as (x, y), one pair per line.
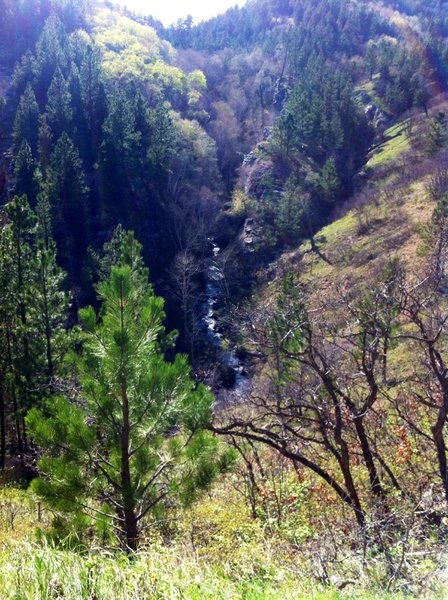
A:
(223, 313)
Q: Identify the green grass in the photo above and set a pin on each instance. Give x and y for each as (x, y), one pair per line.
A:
(334, 232)
(219, 552)
(396, 144)
(31, 572)
(327, 239)
(369, 88)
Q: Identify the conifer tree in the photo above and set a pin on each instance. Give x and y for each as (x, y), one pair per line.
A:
(50, 51)
(59, 110)
(122, 154)
(27, 175)
(24, 72)
(67, 194)
(136, 436)
(51, 302)
(33, 317)
(26, 123)
(437, 134)
(329, 181)
(20, 346)
(8, 398)
(92, 93)
(45, 142)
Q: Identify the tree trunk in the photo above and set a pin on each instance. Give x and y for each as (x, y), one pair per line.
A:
(439, 440)
(131, 524)
(2, 426)
(50, 369)
(344, 462)
(131, 530)
(15, 403)
(375, 483)
(384, 359)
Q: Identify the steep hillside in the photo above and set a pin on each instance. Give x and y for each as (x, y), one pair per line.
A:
(272, 187)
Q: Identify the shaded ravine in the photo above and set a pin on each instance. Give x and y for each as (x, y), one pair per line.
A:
(210, 300)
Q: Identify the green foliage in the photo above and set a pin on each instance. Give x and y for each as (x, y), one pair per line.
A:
(27, 175)
(134, 52)
(26, 121)
(290, 320)
(50, 54)
(329, 181)
(46, 571)
(192, 142)
(58, 109)
(316, 146)
(437, 134)
(34, 311)
(67, 195)
(395, 145)
(137, 439)
(288, 219)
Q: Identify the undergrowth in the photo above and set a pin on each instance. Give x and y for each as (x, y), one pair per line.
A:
(217, 550)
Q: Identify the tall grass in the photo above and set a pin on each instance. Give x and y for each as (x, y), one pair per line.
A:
(217, 551)
(42, 572)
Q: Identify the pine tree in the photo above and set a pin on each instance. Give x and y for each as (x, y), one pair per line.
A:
(51, 302)
(45, 142)
(18, 238)
(33, 316)
(161, 143)
(67, 195)
(59, 110)
(23, 74)
(122, 155)
(50, 51)
(92, 93)
(135, 437)
(8, 398)
(437, 134)
(26, 123)
(289, 213)
(27, 175)
(329, 181)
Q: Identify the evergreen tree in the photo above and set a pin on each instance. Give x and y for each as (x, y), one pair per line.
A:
(437, 134)
(8, 398)
(50, 308)
(27, 175)
(67, 195)
(329, 181)
(26, 123)
(45, 227)
(59, 110)
(24, 73)
(21, 345)
(123, 159)
(33, 316)
(45, 142)
(161, 143)
(92, 93)
(289, 213)
(136, 439)
(50, 54)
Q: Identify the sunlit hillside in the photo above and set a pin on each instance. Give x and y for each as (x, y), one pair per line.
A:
(223, 312)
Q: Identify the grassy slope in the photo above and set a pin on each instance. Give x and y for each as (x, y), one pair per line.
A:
(231, 556)
(383, 224)
(220, 554)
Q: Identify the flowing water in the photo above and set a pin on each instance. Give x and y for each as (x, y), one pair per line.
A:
(212, 297)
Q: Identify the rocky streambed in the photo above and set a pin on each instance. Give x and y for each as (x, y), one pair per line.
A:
(211, 300)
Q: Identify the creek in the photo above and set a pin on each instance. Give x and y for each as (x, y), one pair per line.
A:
(210, 301)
